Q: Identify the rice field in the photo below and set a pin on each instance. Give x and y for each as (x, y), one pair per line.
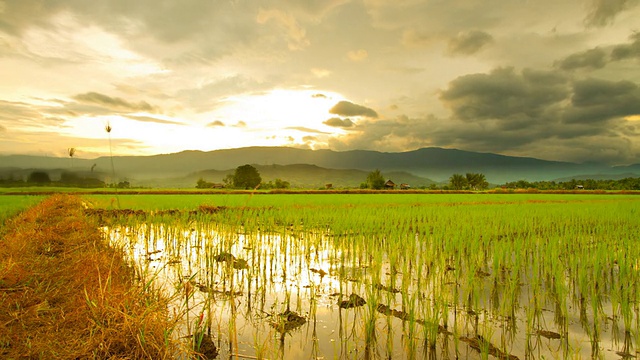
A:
(399, 276)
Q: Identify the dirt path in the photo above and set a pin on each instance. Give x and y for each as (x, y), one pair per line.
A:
(65, 294)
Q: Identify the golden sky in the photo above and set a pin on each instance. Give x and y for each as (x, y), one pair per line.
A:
(555, 80)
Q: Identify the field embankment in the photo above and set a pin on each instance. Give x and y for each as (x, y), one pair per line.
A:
(64, 293)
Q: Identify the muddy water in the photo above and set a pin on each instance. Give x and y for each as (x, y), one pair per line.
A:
(298, 296)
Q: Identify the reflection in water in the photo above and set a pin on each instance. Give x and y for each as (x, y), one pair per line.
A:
(278, 296)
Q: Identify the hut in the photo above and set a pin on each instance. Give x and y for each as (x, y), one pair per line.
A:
(389, 185)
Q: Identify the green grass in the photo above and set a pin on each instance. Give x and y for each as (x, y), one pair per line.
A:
(11, 205)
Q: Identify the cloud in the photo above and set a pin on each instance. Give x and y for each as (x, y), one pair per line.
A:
(3, 129)
(306, 129)
(14, 111)
(338, 122)
(597, 101)
(546, 139)
(154, 120)
(598, 58)
(469, 43)
(603, 12)
(417, 38)
(346, 108)
(505, 96)
(207, 96)
(357, 55)
(113, 102)
(397, 134)
(590, 59)
(240, 124)
(174, 31)
(215, 123)
(627, 51)
(544, 114)
(24, 114)
(191, 58)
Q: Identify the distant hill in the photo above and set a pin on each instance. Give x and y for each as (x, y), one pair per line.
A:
(629, 169)
(437, 164)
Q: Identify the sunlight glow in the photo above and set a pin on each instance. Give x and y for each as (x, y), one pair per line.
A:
(281, 108)
(275, 118)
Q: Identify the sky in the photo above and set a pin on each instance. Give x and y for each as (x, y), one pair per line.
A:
(555, 80)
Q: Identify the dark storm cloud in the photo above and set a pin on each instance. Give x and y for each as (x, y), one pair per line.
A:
(469, 43)
(522, 113)
(512, 99)
(113, 102)
(596, 101)
(543, 138)
(626, 51)
(603, 12)
(346, 108)
(396, 134)
(590, 59)
(338, 122)
(215, 123)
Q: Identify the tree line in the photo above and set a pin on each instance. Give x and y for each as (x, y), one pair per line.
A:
(628, 183)
(470, 181)
(248, 177)
(42, 178)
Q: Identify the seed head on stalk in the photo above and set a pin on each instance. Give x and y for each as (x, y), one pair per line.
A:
(108, 129)
(72, 152)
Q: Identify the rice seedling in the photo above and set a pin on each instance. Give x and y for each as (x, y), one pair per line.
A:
(472, 276)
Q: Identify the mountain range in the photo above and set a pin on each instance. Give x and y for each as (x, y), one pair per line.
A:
(314, 168)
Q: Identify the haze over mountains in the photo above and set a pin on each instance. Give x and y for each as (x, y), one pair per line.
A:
(316, 167)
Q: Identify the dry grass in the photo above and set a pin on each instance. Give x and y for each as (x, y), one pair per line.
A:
(64, 293)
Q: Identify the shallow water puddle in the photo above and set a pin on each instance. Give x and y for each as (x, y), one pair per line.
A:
(299, 296)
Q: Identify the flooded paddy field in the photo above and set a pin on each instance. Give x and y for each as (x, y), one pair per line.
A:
(391, 276)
